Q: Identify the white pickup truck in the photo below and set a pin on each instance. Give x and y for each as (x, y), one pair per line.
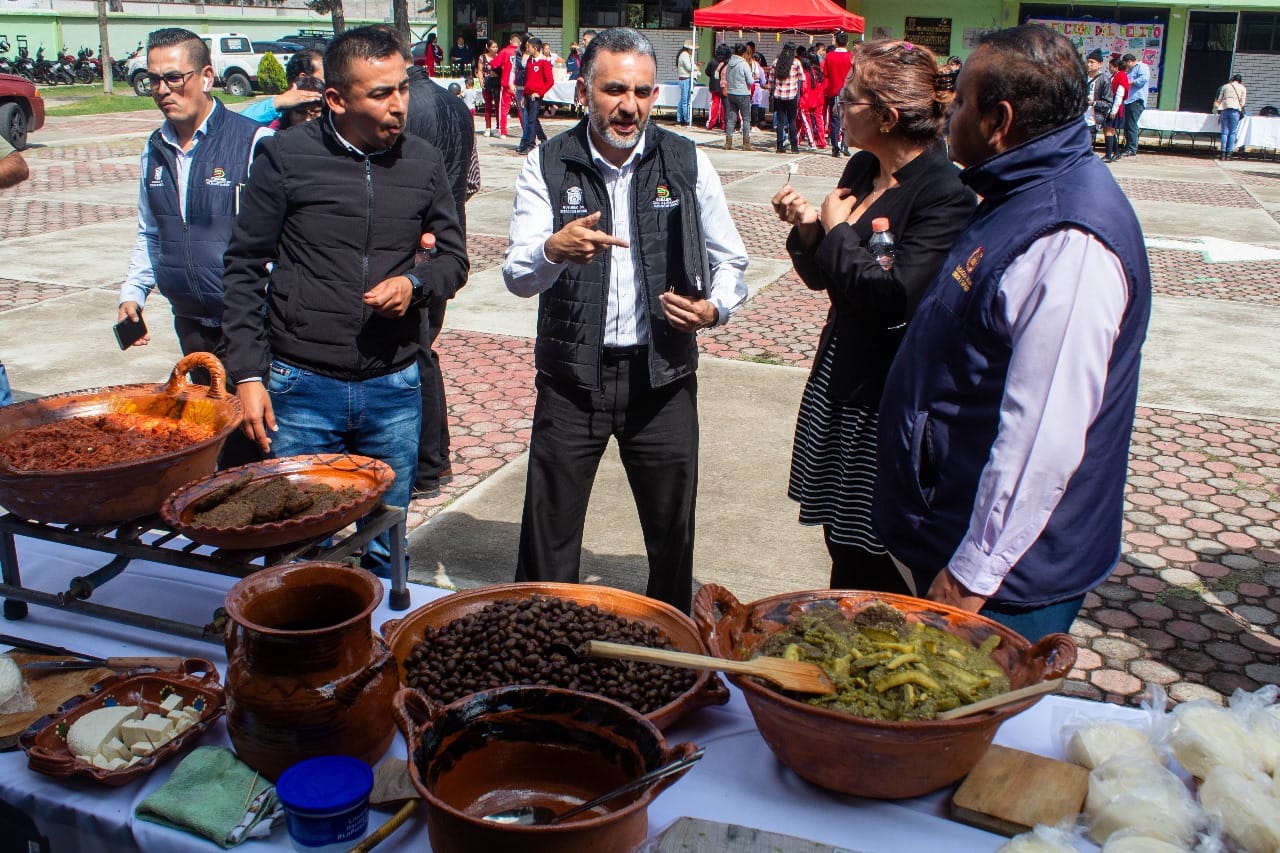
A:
(235, 64)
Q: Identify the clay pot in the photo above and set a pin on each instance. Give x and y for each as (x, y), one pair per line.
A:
(123, 490)
(403, 634)
(306, 676)
(531, 746)
(854, 755)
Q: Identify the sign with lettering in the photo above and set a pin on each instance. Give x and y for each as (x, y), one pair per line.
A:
(1144, 40)
(933, 33)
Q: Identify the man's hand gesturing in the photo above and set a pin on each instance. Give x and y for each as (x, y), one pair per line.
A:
(579, 241)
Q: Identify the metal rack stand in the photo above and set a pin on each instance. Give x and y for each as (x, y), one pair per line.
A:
(126, 542)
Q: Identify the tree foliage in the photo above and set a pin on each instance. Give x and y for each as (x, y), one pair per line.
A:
(333, 8)
(271, 78)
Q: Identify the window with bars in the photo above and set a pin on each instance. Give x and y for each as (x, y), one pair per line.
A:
(659, 14)
(1259, 33)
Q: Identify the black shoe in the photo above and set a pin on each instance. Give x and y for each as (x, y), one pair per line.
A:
(835, 152)
(523, 150)
(845, 152)
(424, 488)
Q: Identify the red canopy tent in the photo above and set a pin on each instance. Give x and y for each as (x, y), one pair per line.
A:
(806, 15)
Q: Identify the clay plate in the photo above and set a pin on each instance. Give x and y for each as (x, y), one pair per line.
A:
(370, 477)
(403, 634)
(45, 741)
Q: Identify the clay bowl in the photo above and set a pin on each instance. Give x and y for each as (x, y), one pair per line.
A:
(539, 746)
(45, 740)
(855, 755)
(370, 477)
(123, 490)
(403, 634)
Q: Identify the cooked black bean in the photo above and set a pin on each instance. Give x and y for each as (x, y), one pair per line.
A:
(508, 642)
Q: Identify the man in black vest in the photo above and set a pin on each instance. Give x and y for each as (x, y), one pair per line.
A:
(443, 120)
(622, 231)
(324, 298)
(193, 168)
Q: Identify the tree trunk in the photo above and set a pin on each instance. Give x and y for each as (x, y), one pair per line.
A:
(339, 18)
(400, 11)
(104, 48)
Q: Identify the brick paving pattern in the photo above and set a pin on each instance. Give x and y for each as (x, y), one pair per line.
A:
(69, 176)
(18, 294)
(1176, 273)
(1195, 603)
(1186, 192)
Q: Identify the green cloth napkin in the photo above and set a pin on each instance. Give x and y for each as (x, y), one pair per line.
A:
(209, 795)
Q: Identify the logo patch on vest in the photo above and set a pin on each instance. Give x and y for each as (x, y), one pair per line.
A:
(963, 274)
(157, 177)
(662, 199)
(573, 207)
(218, 178)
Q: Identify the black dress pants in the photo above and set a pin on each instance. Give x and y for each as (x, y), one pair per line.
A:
(657, 434)
(194, 336)
(433, 439)
(857, 568)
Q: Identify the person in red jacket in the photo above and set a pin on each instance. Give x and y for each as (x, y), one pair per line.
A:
(538, 80)
(835, 68)
(503, 62)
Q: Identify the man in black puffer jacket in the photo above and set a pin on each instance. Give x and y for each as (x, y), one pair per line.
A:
(443, 120)
(325, 356)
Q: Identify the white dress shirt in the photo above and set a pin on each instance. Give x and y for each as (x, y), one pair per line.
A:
(527, 270)
(1061, 303)
(141, 278)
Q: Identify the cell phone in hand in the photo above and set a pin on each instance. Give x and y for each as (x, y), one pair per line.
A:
(129, 331)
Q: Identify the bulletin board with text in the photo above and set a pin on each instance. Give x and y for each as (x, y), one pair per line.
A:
(1144, 40)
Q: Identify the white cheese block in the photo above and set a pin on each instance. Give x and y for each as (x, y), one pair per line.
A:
(88, 734)
(183, 724)
(117, 764)
(10, 679)
(172, 702)
(100, 760)
(114, 748)
(160, 721)
(193, 712)
(133, 759)
(141, 748)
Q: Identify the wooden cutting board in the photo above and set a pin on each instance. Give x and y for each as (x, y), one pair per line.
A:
(1010, 791)
(50, 688)
(695, 835)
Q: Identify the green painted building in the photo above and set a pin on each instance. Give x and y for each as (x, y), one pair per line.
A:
(1193, 47)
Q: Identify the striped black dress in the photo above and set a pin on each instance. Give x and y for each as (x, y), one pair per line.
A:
(833, 461)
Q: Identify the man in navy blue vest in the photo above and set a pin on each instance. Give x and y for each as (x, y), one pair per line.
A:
(622, 231)
(1005, 421)
(193, 167)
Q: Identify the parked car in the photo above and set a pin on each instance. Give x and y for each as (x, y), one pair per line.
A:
(311, 39)
(235, 64)
(279, 48)
(21, 109)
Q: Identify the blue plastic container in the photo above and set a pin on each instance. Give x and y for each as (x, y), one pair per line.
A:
(326, 802)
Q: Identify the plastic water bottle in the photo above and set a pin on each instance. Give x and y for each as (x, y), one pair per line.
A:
(881, 243)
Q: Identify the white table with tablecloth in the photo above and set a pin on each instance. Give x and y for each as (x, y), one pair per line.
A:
(566, 92)
(739, 780)
(1254, 131)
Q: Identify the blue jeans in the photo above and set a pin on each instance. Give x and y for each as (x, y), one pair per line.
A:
(1229, 122)
(6, 396)
(530, 110)
(683, 108)
(784, 122)
(379, 417)
(1132, 115)
(1035, 622)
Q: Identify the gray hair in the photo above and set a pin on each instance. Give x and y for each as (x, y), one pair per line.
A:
(615, 40)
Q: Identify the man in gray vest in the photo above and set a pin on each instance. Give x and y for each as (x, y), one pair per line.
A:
(622, 231)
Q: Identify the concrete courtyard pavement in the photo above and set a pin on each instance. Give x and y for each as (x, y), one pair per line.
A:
(1194, 605)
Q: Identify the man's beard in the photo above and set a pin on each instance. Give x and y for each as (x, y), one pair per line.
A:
(600, 124)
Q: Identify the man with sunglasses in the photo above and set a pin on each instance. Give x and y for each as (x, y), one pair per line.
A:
(193, 167)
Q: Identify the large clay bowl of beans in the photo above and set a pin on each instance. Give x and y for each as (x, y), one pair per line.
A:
(531, 746)
(883, 759)
(524, 633)
(112, 454)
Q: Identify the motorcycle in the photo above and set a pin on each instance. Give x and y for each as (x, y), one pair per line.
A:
(24, 65)
(120, 67)
(6, 64)
(86, 67)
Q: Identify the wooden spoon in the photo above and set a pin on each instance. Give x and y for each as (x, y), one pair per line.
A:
(1002, 699)
(799, 676)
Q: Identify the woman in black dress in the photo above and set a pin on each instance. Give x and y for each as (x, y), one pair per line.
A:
(891, 107)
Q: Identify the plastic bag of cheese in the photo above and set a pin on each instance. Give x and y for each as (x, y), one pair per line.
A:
(1091, 742)
(1203, 736)
(1142, 796)
(1260, 715)
(1243, 806)
(1045, 839)
(15, 696)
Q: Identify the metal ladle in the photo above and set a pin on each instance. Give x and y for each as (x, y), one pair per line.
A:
(543, 816)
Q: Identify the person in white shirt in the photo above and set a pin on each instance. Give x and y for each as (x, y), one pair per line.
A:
(599, 213)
